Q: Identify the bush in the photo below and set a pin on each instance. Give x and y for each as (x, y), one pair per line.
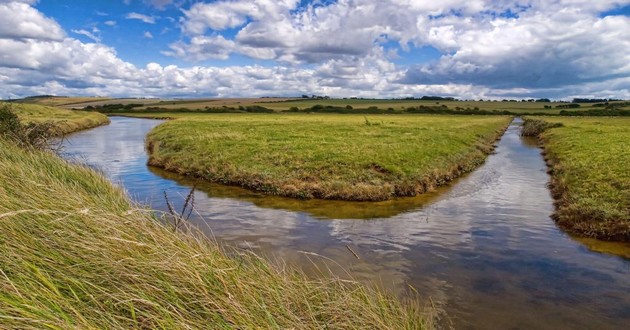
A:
(534, 127)
(38, 136)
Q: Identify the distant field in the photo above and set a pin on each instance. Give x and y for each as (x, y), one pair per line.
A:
(347, 157)
(61, 101)
(283, 104)
(590, 163)
(68, 120)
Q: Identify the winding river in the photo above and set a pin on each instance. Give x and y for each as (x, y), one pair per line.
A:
(483, 250)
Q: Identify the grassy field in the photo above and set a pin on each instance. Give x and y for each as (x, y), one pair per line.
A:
(348, 157)
(68, 120)
(589, 161)
(283, 104)
(76, 254)
(58, 101)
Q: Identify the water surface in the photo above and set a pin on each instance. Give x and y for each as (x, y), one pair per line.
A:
(483, 249)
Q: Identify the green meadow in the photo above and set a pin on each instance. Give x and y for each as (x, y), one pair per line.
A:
(347, 157)
(589, 162)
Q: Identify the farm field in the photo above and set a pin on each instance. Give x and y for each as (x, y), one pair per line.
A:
(348, 157)
(589, 163)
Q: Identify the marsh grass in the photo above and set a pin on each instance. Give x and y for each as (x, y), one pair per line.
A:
(76, 254)
(589, 163)
(347, 157)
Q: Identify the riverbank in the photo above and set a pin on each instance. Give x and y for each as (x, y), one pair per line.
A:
(345, 157)
(78, 254)
(590, 176)
(66, 121)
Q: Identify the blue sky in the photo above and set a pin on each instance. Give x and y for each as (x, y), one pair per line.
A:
(369, 48)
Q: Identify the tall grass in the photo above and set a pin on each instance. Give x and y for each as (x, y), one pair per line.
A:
(76, 254)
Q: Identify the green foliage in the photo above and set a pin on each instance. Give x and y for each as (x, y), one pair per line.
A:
(568, 106)
(534, 127)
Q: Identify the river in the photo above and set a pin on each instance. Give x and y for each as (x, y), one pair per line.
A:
(484, 250)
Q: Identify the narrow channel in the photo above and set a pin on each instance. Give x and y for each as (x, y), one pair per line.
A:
(484, 250)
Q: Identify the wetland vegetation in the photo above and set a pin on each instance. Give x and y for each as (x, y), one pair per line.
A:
(349, 157)
(78, 254)
(588, 160)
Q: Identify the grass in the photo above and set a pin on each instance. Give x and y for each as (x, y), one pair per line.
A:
(347, 157)
(76, 254)
(67, 121)
(590, 167)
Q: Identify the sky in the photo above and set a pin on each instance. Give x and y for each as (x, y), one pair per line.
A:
(468, 49)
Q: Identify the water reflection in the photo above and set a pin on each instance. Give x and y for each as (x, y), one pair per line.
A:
(484, 249)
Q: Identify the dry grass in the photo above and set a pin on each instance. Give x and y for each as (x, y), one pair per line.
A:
(76, 254)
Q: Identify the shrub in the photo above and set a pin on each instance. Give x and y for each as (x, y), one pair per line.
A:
(38, 136)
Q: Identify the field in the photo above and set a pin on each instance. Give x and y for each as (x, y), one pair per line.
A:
(58, 101)
(284, 104)
(67, 120)
(347, 157)
(76, 254)
(589, 162)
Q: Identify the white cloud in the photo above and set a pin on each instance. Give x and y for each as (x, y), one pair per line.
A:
(148, 35)
(202, 48)
(21, 21)
(87, 34)
(110, 23)
(141, 17)
(224, 14)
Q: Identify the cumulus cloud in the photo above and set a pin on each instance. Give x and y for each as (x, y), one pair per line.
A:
(500, 44)
(202, 48)
(21, 21)
(141, 17)
(537, 50)
(497, 49)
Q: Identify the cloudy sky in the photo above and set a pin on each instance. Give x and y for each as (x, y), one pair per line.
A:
(366, 48)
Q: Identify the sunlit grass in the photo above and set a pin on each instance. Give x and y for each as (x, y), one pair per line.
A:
(348, 157)
(76, 254)
(590, 164)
